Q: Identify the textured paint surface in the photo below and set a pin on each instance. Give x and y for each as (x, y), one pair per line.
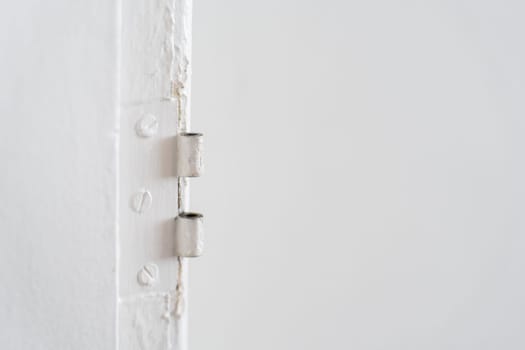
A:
(155, 74)
(58, 102)
(148, 321)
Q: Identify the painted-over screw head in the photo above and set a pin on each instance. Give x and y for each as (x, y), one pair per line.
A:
(141, 201)
(148, 274)
(147, 126)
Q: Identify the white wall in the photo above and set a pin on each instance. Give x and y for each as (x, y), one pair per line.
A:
(58, 176)
(364, 185)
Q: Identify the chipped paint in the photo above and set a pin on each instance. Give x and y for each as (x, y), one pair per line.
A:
(181, 68)
(147, 316)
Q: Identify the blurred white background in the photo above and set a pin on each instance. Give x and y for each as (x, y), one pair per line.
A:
(364, 185)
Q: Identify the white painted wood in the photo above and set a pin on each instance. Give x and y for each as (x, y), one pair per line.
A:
(92, 95)
(58, 108)
(155, 72)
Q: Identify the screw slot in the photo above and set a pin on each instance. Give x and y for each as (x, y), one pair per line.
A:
(141, 201)
(147, 126)
(148, 274)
